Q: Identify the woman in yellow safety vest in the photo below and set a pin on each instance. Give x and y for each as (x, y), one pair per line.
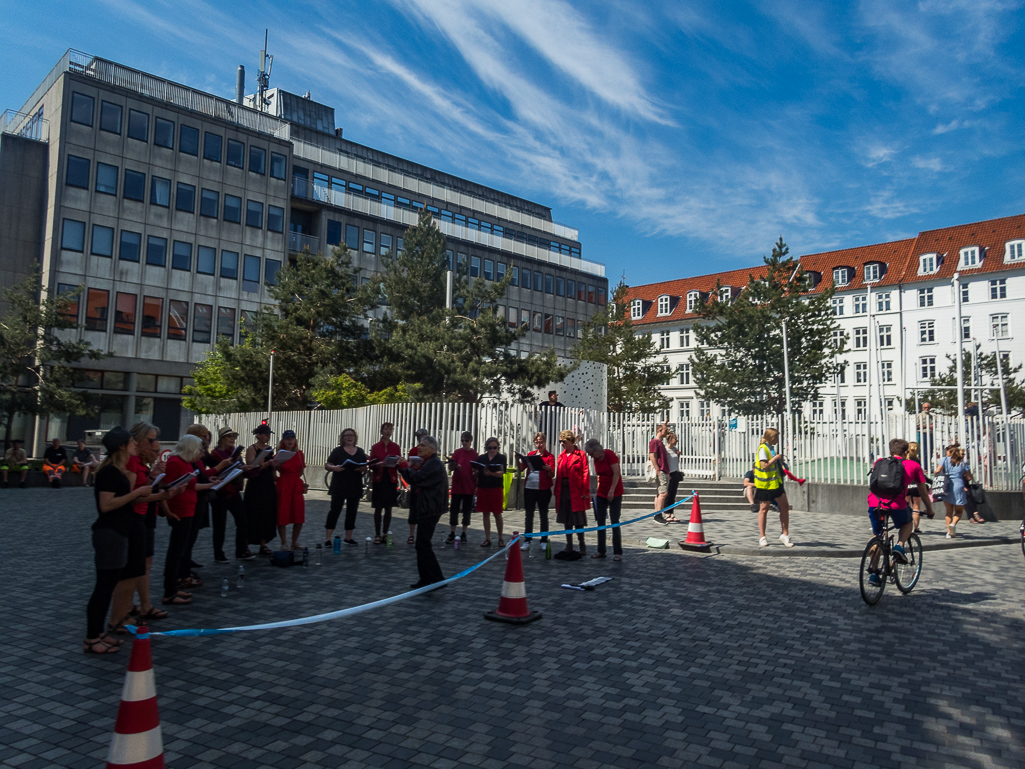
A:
(769, 486)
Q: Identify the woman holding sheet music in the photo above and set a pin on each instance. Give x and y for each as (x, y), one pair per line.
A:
(537, 485)
(384, 479)
(228, 499)
(291, 487)
(261, 496)
(573, 489)
(490, 467)
(347, 465)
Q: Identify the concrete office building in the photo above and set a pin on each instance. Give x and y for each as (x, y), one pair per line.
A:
(174, 209)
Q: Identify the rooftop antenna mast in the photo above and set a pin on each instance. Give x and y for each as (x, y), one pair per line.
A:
(263, 78)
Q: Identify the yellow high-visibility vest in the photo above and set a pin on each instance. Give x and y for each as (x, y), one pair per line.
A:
(769, 479)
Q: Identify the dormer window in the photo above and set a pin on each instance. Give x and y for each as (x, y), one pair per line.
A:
(1015, 251)
(873, 272)
(814, 278)
(663, 304)
(842, 276)
(693, 299)
(725, 294)
(636, 309)
(928, 264)
(970, 257)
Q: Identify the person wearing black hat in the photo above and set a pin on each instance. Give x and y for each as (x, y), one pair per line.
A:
(261, 496)
(114, 500)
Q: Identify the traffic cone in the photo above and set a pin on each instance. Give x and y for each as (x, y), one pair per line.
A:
(137, 742)
(512, 606)
(695, 531)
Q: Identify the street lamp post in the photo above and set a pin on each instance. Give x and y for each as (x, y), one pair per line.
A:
(270, 385)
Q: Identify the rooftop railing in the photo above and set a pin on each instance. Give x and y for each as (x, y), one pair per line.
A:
(24, 125)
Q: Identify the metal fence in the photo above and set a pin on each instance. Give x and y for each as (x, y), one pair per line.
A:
(822, 451)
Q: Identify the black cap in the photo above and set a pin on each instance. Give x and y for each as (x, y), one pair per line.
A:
(115, 438)
(287, 434)
(262, 429)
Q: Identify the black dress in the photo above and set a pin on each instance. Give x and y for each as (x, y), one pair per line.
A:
(261, 500)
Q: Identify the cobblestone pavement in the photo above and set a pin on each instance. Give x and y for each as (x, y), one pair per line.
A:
(682, 659)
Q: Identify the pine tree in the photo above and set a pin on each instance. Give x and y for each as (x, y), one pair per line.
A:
(635, 375)
(739, 361)
(945, 401)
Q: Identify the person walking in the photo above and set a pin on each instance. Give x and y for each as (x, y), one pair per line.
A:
(384, 479)
(913, 494)
(15, 460)
(430, 481)
(55, 462)
(658, 457)
(110, 532)
(83, 462)
(228, 499)
(490, 469)
(261, 495)
(608, 501)
(291, 487)
(955, 492)
(926, 435)
(347, 465)
(464, 486)
(769, 486)
(537, 487)
(573, 487)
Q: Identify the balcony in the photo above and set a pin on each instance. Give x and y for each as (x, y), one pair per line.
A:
(298, 242)
(26, 126)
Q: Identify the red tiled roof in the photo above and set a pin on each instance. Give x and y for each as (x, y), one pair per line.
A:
(893, 255)
(677, 290)
(990, 236)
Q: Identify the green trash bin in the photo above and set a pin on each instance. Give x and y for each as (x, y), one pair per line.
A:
(507, 482)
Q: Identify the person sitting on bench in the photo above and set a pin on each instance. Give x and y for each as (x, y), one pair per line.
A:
(55, 462)
(15, 460)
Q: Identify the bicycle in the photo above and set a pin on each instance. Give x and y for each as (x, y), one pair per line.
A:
(878, 560)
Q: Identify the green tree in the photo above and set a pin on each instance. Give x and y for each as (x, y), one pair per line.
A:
(344, 392)
(459, 353)
(635, 374)
(984, 375)
(317, 329)
(36, 374)
(739, 360)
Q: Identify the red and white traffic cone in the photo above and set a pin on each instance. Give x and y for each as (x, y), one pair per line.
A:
(696, 530)
(512, 606)
(137, 741)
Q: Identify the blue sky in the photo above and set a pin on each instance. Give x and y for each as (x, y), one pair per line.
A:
(681, 138)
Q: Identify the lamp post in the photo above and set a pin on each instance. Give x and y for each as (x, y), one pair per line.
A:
(270, 384)
(960, 360)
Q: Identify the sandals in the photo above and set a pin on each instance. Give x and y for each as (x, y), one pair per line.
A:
(486, 543)
(264, 550)
(178, 599)
(976, 518)
(378, 539)
(154, 613)
(98, 647)
(501, 543)
(118, 629)
(598, 555)
(617, 558)
(411, 541)
(111, 641)
(190, 582)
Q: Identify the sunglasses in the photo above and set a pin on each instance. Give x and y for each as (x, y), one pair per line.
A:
(467, 440)
(492, 448)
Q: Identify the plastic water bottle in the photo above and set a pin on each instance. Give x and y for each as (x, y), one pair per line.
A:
(320, 551)
(224, 588)
(241, 575)
(548, 550)
(530, 547)
(388, 538)
(306, 558)
(367, 548)
(455, 542)
(337, 544)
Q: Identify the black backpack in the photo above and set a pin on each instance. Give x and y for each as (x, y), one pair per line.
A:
(886, 480)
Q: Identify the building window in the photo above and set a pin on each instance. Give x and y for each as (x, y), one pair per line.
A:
(704, 409)
(841, 276)
(838, 338)
(73, 235)
(124, 313)
(636, 309)
(209, 202)
(69, 311)
(489, 269)
(725, 294)
(156, 251)
(818, 410)
(277, 165)
(232, 208)
(663, 340)
(229, 265)
(254, 214)
(998, 289)
(684, 373)
(841, 374)
(138, 125)
(130, 246)
(860, 304)
(271, 269)
(82, 108)
(202, 322)
(152, 311)
(927, 264)
(872, 272)
(514, 275)
(352, 237)
(964, 293)
(135, 185)
(188, 140)
(77, 172)
(860, 338)
(334, 232)
(663, 306)
(206, 260)
(886, 371)
(181, 256)
(185, 198)
(927, 368)
(212, 144)
(103, 241)
(548, 324)
(693, 297)
(886, 336)
(177, 319)
(475, 266)
(525, 319)
(106, 178)
(684, 337)
(926, 331)
(370, 241)
(251, 274)
(999, 326)
(966, 329)
(226, 324)
(538, 322)
(97, 302)
(970, 257)
(837, 304)
(860, 412)
(110, 117)
(860, 373)
(883, 301)
(571, 327)
(683, 410)
(549, 284)
(163, 133)
(236, 153)
(386, 246)
(160, 192)
(275, 219)
(925, 297)
(1014, 251)
(257, 160)
(560, 325)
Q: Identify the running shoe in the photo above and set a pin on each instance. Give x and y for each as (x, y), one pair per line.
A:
(763, 542)
(873, 579)
(659, 518)
(900, 555)
(785, 539)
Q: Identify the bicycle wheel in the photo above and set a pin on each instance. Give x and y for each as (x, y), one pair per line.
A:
(872, 591)
(906, 574)
(1022, 530)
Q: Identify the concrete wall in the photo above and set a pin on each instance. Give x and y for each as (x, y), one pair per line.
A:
(23, 164)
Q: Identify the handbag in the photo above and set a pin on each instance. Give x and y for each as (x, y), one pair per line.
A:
(650, 474)
(282, 558)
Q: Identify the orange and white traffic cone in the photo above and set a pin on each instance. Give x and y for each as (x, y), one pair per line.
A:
(696, 530)
(512, 606)
(137, 741)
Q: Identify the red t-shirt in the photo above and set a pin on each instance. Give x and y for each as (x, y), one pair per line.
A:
(656, 447)
(913, 475)
(183, 505)
(380, 451)
(137, 466)
(462, 475)
(604, 471)
(544, 480)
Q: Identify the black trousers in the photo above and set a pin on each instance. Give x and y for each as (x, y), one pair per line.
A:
(176, 565)
(610, 508)
(426, 562)
(99, 601)
(464, 501)
(541, 499)
(351, 508)
(219, 509)
(674, 485)
(411, 518)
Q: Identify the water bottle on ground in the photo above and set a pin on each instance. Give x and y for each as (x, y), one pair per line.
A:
(337, 544)
(306, 558)
(388, 539)
(320, 551)
(367, 548)
(241, 575)
(548, 550)
(530, 547)
(455, 542)
(224, 588)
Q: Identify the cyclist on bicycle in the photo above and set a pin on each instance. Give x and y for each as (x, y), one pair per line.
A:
(895, 504)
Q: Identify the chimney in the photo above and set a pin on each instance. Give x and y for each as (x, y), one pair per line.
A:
(240, 84)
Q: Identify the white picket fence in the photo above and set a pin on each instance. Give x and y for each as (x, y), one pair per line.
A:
(823, 451)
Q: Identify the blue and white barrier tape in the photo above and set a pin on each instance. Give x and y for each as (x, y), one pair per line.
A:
(392, 599)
